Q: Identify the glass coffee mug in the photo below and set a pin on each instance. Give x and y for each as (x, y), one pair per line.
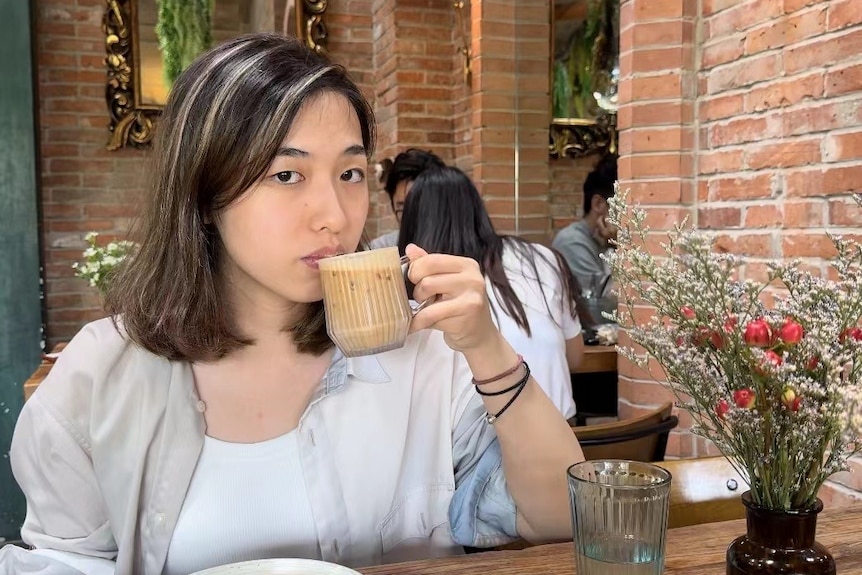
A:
(365, 297)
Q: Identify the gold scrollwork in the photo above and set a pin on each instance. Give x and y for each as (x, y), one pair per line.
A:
(464, 48)
(130, 123)
(576, 138)
(133, 122)
(313, 28)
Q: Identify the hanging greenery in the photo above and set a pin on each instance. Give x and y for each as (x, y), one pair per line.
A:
(184, 30)
(586, 67)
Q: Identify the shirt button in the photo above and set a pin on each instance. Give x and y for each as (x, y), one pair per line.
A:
(201, 406)
(159, 519)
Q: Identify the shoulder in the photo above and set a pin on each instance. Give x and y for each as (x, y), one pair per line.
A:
(543, 257)
(575, 234)
(566, 232)
(99, 370)
(387, 240)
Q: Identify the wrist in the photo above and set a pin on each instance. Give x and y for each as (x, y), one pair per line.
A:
(491, 358)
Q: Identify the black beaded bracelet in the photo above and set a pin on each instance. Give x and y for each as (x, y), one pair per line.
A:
(520, 387)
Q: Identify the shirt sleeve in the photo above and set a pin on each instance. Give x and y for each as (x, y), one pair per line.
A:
(571, 325)
(17, 561)
(66, 519)
(562, 306)
(482, 512)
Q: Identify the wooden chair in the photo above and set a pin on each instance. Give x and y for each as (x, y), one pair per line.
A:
(642, 438)
(704, 490)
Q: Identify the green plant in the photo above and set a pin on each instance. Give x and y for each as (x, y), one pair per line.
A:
(184, 32)
(771, 371)
(100, 262)
(586, 66)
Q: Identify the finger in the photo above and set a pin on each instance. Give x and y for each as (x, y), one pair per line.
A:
(450, 285)
(435, 315)
(438, 285)
(414, 252)
(434, 264)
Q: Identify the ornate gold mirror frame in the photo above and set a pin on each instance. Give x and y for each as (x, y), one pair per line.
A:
(133, 122)
(577, 137)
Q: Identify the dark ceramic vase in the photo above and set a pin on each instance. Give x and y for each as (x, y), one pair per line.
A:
(779, 543)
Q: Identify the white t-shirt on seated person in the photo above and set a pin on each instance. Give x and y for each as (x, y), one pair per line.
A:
(551, 323)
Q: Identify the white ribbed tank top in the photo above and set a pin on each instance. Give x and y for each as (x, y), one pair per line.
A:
(246, 501)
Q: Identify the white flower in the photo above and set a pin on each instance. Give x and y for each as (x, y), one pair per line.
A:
(100, 262)
(788, 414)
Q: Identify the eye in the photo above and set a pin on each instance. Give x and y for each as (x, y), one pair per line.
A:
(288, 177)
(353, 175)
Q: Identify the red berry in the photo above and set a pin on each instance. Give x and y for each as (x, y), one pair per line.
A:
(791, 332)
(722, 408)
(758, 333)
(744, 398)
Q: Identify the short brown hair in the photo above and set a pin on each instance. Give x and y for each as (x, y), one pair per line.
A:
(225, 118)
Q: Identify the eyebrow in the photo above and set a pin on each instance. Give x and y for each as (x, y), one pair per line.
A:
(354, 150)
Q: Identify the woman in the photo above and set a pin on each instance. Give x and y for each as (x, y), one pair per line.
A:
(213, 421)
(528, 285)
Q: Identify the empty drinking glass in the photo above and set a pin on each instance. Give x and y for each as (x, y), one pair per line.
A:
(619, 516)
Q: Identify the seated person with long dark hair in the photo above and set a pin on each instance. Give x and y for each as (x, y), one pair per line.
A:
(528, 285)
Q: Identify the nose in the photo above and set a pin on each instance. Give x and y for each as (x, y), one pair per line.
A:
(327, 207)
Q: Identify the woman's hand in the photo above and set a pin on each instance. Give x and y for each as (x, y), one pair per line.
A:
(460, 309)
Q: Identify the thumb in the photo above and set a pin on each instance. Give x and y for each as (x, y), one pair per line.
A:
(414, 252)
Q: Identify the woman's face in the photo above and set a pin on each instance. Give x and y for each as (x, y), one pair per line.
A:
(311, 203)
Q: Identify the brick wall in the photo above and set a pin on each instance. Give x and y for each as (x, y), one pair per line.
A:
(420, 97)
(755, 133)
(84, 187)
(404, 55)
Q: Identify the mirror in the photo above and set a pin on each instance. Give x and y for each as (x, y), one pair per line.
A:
(137, 86)
(584, 76)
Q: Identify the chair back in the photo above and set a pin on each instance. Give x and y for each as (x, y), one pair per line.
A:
(642, 438)
(704, 490)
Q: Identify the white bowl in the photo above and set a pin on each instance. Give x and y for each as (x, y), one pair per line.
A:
(279, 567)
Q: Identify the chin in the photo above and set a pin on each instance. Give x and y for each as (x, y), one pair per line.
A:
(310, 295)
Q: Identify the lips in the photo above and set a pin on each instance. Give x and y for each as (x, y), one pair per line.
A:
(313, 258)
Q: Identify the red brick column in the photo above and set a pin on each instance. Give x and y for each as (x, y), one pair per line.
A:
(657, 149)
(511, 112)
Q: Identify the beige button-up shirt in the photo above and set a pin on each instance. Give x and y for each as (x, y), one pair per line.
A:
(105, 450)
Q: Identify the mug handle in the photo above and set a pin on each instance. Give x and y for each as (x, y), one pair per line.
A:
(405, 267)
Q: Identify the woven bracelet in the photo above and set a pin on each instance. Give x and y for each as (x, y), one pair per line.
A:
(508, 389)
(506, 373)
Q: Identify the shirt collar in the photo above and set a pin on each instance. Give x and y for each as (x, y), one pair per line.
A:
(366, 368)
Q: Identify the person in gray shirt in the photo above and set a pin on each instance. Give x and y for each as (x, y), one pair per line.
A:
(405, 169)
(583, 241)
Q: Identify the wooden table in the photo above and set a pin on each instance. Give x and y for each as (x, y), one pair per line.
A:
(598, 358)
(41, 372)
(694, 550)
